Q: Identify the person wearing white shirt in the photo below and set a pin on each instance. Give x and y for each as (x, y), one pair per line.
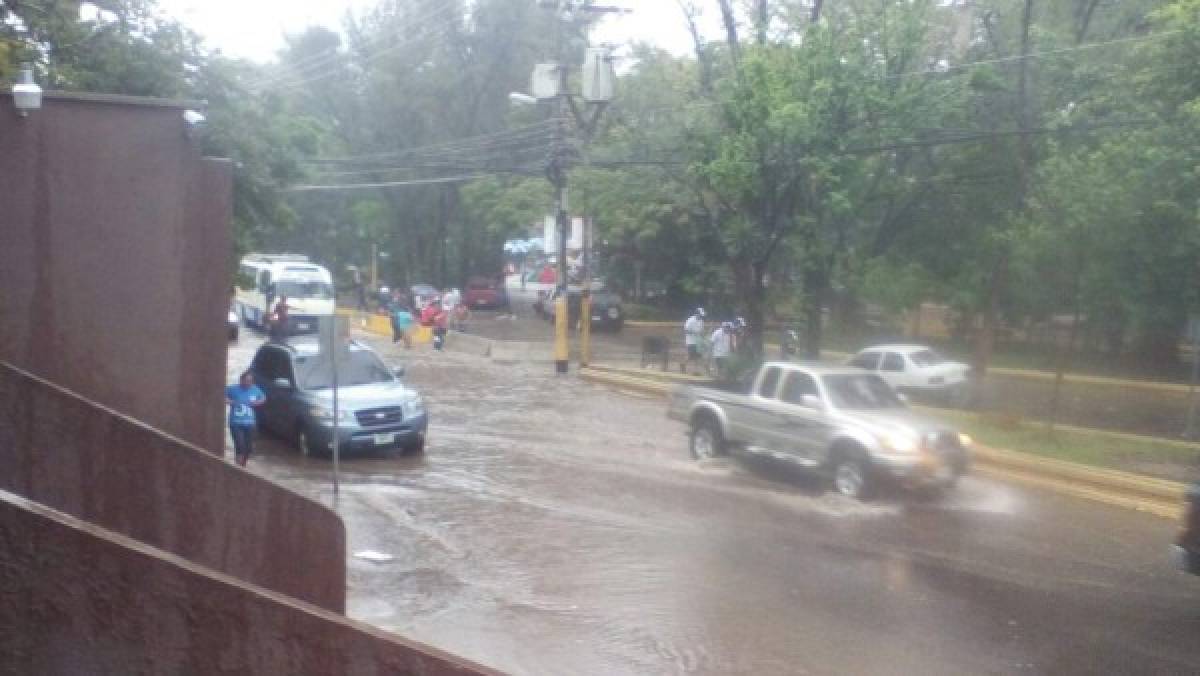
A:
(722, 348)
(693, 332)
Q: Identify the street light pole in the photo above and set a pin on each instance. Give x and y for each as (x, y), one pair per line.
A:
(597, 91)
(558, 177)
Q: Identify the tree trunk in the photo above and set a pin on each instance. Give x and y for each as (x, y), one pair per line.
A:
(816, 284)
(752, 292)
(998, 280)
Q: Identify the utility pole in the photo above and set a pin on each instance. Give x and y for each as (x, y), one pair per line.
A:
(598, 80)
(585, 301)
(374, 267)
(558, 176)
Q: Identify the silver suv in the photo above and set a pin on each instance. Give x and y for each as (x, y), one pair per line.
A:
(377, 410)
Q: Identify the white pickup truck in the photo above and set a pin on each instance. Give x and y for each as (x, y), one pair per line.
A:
(837, 420)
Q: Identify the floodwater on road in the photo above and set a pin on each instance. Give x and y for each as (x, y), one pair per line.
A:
(554, 526)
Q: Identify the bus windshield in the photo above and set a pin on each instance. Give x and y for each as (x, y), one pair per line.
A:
(308, 289)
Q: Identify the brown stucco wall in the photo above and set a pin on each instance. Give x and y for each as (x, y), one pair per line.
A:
(114, 246)
(75, 599)
(60, 450)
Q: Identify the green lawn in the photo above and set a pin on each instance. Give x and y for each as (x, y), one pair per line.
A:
(1164, 458)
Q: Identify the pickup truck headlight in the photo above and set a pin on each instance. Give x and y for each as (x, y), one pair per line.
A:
(325, 415)
(899, 442)
(414, 407)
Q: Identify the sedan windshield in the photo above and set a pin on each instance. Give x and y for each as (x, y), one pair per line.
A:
(863, 392)
(294, 289)
(361, 368)
(926, 358)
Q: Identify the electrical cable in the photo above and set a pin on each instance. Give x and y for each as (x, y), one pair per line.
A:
(308, 65)
(387, 184)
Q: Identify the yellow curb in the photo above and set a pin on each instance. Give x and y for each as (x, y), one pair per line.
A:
(1122, 489)
(1077, 378)
(382, 325)
(651, 374)
(1127, 436)
(1030, 374)
(625, 382)
(1162, 508)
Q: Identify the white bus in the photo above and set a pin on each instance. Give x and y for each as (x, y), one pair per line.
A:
(308, 287)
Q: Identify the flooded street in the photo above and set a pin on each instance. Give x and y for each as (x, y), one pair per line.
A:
(554, 526)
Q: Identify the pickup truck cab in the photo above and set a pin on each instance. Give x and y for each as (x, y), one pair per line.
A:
(840, 421)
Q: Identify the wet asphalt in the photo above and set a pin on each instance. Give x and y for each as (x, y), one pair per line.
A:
(559, 527)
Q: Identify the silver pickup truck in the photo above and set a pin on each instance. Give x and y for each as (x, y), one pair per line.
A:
(838, 420)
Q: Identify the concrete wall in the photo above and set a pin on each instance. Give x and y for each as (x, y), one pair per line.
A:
(114, 241)
(60, 450)
(75, 599)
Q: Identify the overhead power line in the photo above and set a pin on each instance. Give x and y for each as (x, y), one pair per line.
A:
(386, 184)
(493, 140)
(304, 68)
(1037, 55)
(908, 143)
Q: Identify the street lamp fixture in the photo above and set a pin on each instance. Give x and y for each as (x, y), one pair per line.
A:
(26, 93)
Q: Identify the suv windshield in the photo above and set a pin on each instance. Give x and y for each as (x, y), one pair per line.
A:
(864, 392)
(294, 289)
(362, 368)
(926, 358)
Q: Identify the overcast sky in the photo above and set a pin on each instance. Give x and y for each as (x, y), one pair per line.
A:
(255, 29)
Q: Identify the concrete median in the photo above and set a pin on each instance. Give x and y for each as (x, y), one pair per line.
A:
(1113, 487)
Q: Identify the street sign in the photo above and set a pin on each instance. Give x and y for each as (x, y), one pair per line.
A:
(334, 331)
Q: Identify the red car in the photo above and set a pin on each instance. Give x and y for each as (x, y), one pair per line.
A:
(485, 294)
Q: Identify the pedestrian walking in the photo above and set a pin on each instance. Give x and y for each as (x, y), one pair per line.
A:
(722, 349)
(441, 324)
(242, 399)
(459, 317)
(693, 335)
(360, 290)
(279, 319)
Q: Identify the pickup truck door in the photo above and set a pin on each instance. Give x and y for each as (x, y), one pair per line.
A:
(804, 428)
(755, 422)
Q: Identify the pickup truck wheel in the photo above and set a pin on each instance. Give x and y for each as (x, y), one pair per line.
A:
(707, 440)
(852, 478)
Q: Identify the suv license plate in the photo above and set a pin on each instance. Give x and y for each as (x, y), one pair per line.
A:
(382, 439)
(302, 327)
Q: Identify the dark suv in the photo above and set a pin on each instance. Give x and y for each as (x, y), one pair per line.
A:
(375, 409)
(607, 313)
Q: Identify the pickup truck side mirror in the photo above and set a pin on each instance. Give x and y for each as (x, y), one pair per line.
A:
(398, 371)
(812, 401)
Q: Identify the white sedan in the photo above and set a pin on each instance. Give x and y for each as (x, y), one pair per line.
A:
(909, 368)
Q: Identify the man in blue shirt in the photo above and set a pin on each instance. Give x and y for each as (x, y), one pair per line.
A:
(243, 398)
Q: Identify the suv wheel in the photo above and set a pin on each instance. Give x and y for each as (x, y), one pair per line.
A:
(852, 477)
(417, 447)
(706, 440)
(304, 443)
